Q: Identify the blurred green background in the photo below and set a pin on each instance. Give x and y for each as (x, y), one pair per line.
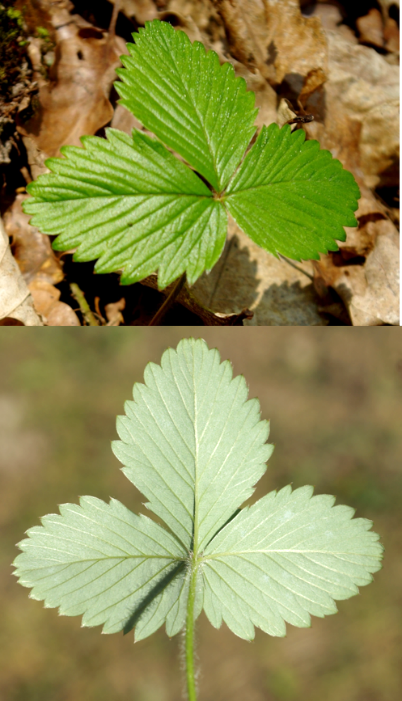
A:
(334, 400)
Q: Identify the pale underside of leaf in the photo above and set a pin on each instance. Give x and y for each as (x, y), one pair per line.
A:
(192, 442)
(188, 100)
(130, 203)
(286, 557)
(107, 564)
(290, 197)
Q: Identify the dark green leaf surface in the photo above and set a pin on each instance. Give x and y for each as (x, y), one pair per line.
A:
(290, 197)
(132, 204)
(182, 94)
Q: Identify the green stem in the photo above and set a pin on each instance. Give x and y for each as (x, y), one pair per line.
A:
(190, 672)
(85, 309)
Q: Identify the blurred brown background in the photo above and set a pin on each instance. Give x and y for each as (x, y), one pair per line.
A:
(334, 400)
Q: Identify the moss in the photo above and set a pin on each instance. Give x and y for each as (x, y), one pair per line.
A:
(13, 42)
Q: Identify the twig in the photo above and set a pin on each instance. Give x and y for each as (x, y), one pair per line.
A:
(155, 321)
(85, 309)
(113, 20)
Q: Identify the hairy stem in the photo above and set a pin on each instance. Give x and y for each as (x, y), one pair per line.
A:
(190, 671)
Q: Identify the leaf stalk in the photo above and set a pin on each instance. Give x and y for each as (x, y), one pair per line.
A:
(190, 624)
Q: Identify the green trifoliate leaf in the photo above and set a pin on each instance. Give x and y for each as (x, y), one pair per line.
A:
(133, 205)
(192, 442)
(195, 446)
(284, 558)
(290, 197)
(130, 203)
(192, 103)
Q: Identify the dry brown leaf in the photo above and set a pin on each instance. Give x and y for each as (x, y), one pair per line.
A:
(330, 16)
(202, 14)
(15, 299)
(32, 250)
(142, 10)
(274, 37)
(370, 28)
(113, 312)
(371, 293)
(76, 99)
(391, 35)
(245, 22)
(46, 300)
(360, 240)
(361, 125)
(387, 4)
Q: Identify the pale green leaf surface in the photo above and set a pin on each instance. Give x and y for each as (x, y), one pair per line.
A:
(290, 196)
(130, 203)
(192, 442)
(106, 563)
(182, 94)
(286, 557)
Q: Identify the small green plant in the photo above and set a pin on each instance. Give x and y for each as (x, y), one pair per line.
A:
(195, 446)
(130, 203)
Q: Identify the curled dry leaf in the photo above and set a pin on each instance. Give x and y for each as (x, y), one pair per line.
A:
(32, 250)
(15, 299)
(39, 266)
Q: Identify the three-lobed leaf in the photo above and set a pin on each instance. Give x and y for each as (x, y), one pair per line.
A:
(128, 202)
(195, 445)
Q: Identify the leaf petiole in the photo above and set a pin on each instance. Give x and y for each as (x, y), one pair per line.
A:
(190, 624)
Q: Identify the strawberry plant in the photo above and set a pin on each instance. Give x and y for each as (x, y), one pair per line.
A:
(130, 203)
(194, 444)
